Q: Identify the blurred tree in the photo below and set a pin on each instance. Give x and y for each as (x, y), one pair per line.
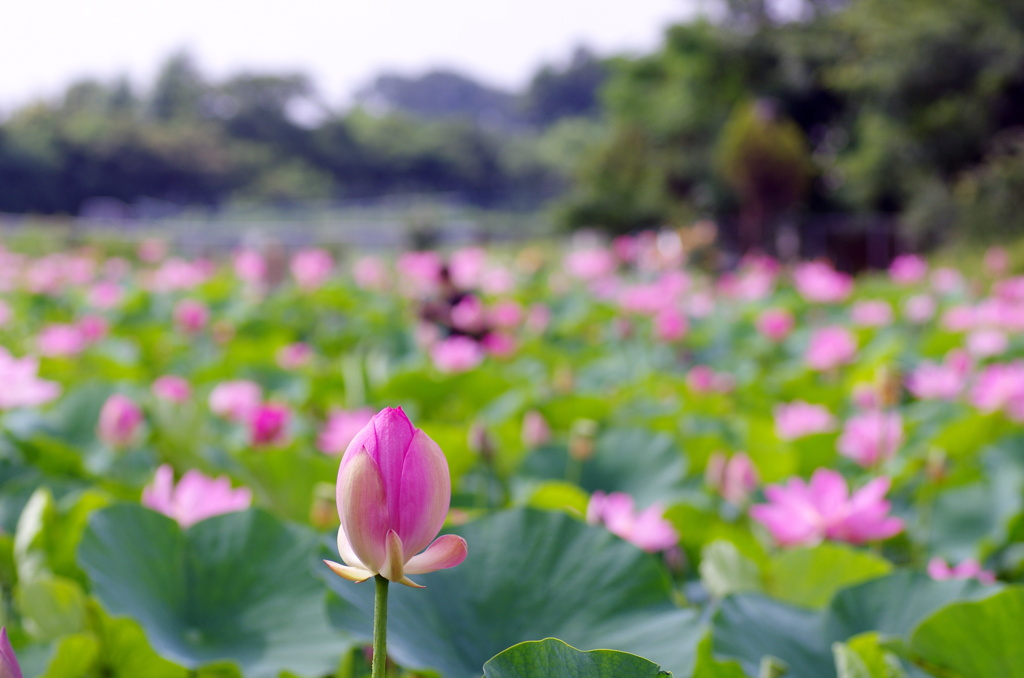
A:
(440, 94)
(179, 89)
(555, 93)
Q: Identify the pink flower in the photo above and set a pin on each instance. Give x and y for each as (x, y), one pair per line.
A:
(172, 388)
(196, 497)
(311, 268)
(734, 478)
(468, 314)
(996, 260)
(120, 420)
(907, 269)
(506, 314)
(536, 431)
(590, 264)
(945, 381)
(8, 661)
(648, 529)
(268, 425)
(467, 266)
(830, 347)
(178, 274)
(342, 426)
(250, 267)
(985, 343)
(499, 344)
(190, 316)
(801, 513)
(871, 437)
(370, 273)
(60, 340)
(818, 281)
(871, 313)
(152, 250)
(235, 400)
(538, 318)
(105, 295)
(393, 494)
(775, 323)
(670, 325)
(946, 280)
(421, 271)
(919, 308)
(799, 419)
(456, 354)
(92, 327)
(999, 386)
(22, 386)
(939, 570)
(703, 379)
(294, 356)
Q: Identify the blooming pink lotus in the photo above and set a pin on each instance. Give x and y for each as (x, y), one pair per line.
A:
(703, 379)
(940, 570)
(818, 281)
(393, 495)
(734, 478)
(9, 667)
(775, 323)
(196, 496)
(370, 273)
(871, 437)
(235, 400)
(940, 381)
(670, 324)
(60, 340)
(456, 354)
(830, 347)
(799, 419)
(800, 513)
(120, 420)
(22, 385)
(647, 529)
(907, 269)
(250, 267)
(268, 424)
(172, 388)
(311, 268)
(1000, 386)
(871, 313)
(191, 316)
(919, 308)
(341, 428)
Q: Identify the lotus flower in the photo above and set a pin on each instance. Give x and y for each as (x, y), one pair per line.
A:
(457, 354)
(393, 494)
(196, 497)
(120, 419)
(646, 529)
(311, 268)
(940, 570)
(172, 388)
(22, 385)
(799, 419)
(235, 400)
(734, 478)
(818, 281)
(775, 323)
(871, 437)
(268, 424)
(191, 316)
(8, 662)
(341, 428)
(802, 513)
(830, 347)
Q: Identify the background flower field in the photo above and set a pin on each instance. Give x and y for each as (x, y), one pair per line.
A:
(724, 474)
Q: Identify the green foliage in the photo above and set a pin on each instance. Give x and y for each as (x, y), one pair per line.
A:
(553, 657)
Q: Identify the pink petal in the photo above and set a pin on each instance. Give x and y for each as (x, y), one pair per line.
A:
(394, 565)
(447, 551)
(362, 506)
(424, 494)
(356, 574)
(348, 556)
(394, 434)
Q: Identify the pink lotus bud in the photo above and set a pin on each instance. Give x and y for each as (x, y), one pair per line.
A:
(93, 328)
(342, 426)
(250, 267)
(734, 478)
(8, 662)
(919, 308)
(235, 400)
(670, 325)
(120, 419)
(311, 268)
(985, 343)
(196, 497)
(499, 344)
(294, 356)
(467, 266)
(190, 316)
(536, 431)
(172, 388)
(105, 295)
(393, 494)
(940, 570)
(871, 313)
(647, 529)
(468, 314)
(268, 425)
(775, 324)
(506, 314)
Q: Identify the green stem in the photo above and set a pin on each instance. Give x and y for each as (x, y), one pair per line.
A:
(380, 628)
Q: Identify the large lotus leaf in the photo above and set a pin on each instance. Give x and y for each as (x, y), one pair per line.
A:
(552, 657)
(647, 465)
(235, 587)
(529, 575)
(978, 639)
(811, 576)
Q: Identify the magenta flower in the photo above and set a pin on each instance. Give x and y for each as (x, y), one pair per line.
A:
(22, 385)
(1000, 386)
(871, 437)
(457, 354)
(294, 356)
(8, 662)
(987, 342)
(871, 313)
(393, 494)
(830, 347)
(196, 496)
(670, 325)
(939, 570)
(940, 381)
(341, 428)
(907, 269)
(919, 308)
(648, 529)
(311, 268)
(775, 324)
(235, 400)
(801, 513)
(120, 420)
(172, 388)
(818, 281)
(734, 478)
(250, 267)
(191, 316)
(799, 419)
(268, 424)
(589, 264)
(60, 340)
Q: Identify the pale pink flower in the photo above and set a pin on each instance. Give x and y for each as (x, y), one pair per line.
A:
(311, 268)
(60, 340)
(670, 325)
(800, 513)
(589, 264)
(172, 388)
(999, 386)
(469, 314)
(467, 266)
(734, 478)
(871, 313)
(370, 273)
(456, 354)
(499, 344)
(775, 323)
(987, 342)
(268, 424)
(120, 421)
(235, 400)
(152, 250)
(996, 260)
(818, 281)
(341, 427)
(497, 280)
(178, 274)
(250, 267)
(871, 437)
(294, 356)
(959, 318)
(940, 381)
(799, 419)
(703, 379)
(647, 529)
(946, 280)
(105, 294)
(22, 386)
(9, 667)
(830, 347)
(196, 496)
(919, 308)
(421, 271)
(536, 431)
(538, 318)
(191, 316)
(939, 570)
(1011, 289)
(907, 269)
(506, 314)
(92, 327)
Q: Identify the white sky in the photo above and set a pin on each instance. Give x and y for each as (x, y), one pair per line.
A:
(341, 44)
